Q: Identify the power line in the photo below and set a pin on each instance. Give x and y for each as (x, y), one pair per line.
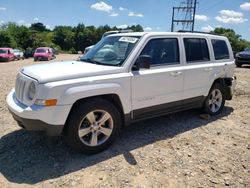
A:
(188, 8)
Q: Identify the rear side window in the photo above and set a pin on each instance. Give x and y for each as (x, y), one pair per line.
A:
(196, 49)
(220, 49)
(162, 51)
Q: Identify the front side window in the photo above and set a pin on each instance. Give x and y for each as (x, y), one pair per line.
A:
(162, 51)
(111, 50)
(220, 49)
(196, 49)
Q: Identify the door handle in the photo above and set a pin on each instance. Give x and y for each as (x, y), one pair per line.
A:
(208, 69)
(176, 73)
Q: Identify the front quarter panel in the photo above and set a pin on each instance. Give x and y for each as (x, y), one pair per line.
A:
(70, 91)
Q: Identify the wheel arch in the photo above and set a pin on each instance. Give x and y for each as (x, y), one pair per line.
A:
(112, 98)
(225, 84)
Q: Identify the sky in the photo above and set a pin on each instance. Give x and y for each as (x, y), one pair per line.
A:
(152, 15)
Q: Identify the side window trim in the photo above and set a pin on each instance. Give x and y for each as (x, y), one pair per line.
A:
(227, 48)
(197, 61)
(178, 48)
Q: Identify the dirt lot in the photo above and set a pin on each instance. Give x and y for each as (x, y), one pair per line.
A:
(178, 150)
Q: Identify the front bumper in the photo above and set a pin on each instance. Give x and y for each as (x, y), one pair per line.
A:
(3, 59)
(38, 118)
(40, 58)
(242, 60)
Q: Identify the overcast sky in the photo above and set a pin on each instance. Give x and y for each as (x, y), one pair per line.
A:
(153, 15)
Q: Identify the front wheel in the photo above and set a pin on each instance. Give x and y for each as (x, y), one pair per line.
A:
(215, 100)
(93, 126)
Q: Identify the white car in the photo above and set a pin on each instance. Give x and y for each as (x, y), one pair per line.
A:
(18, 54)
(126, 77)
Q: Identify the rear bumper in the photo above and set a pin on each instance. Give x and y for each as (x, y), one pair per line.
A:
(230, 84)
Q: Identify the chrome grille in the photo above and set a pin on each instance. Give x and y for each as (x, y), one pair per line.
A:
(20, 87)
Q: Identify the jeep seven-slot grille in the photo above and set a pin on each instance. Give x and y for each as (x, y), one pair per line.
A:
(20, 87)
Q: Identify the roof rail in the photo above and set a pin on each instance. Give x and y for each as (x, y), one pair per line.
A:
(202, 32)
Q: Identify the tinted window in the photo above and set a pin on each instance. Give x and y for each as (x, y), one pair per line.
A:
(196, 49)
(220, 49)
(162, 51)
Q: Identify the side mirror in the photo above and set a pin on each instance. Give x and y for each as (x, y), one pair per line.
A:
(143, 61)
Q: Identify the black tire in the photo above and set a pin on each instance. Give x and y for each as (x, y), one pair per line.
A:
(238, 64)
(35, 59)
(78, 120)
(211, 103)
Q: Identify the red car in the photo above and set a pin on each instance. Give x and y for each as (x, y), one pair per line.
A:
(6, 54)
(43, 53)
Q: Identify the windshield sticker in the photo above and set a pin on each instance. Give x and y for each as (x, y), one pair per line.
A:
(128, 39)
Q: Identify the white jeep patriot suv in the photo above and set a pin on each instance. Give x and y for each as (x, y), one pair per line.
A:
(124, 78)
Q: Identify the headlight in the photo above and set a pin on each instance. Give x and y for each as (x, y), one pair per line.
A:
(237, 55)
(32, 91)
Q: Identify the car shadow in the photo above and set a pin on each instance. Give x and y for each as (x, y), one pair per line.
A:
(31, 157)
(244, 66)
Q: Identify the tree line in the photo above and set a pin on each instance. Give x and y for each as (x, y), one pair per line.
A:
(73, 39)
(62, 38)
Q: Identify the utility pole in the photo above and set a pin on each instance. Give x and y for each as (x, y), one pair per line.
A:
(184, 15)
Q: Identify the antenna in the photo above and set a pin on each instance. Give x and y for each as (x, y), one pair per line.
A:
(184, 15)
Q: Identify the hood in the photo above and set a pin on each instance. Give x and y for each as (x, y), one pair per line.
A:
(244, 53)
(58, 71)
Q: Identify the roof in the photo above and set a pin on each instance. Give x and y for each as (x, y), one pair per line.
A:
(196, 34)
(5, 48)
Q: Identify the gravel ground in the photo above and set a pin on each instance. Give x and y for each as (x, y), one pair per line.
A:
(178, 150)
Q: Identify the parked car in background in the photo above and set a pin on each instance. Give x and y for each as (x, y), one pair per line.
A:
(43, 53)
(18, 54)
(6, 54)
(28, 53)
(242, 57)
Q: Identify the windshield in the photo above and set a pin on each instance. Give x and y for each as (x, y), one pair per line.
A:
(40, 50)
(247, 49)
(111, 50)
(3, 51)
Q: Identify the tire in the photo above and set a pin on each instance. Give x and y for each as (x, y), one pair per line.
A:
(35, 59)
(97, 134)
(238, 64)
(215, 100)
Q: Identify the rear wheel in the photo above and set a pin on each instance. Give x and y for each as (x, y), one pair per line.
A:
(93, 126)
(215, 100)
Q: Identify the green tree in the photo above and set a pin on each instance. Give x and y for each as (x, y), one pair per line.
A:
(64, 37)
(6, 40)
(38, 27)
(23, 37)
